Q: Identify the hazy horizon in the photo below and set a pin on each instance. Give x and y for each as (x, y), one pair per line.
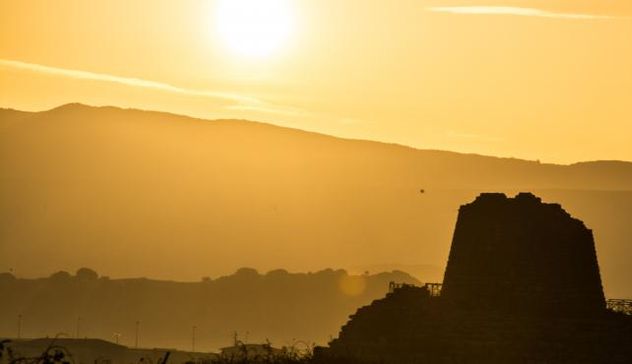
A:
(104, 187)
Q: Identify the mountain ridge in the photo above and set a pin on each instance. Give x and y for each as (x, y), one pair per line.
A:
(104, 187)
(76, 106)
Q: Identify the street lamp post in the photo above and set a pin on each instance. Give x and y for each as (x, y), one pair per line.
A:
(77, 328)
(19, 326)
(137, 327)
(193, 339)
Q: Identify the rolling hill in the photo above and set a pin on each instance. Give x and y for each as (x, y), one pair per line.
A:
(280, 306)
(139, 193)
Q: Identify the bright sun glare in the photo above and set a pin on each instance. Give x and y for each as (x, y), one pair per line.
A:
(255, 28)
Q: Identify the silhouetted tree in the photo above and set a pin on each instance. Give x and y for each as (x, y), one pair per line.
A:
(62, 275)
(247, 272)
(6, 276)
(277, 273)
(86, 274)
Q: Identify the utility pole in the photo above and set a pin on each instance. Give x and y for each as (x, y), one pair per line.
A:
(19, 326)
(193, 339)
(77, 328)
(137, 326)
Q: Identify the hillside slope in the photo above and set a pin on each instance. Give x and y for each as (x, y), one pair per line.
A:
(109, 188)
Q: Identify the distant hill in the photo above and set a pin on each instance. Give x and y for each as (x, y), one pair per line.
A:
(88, 350)
(280, 306)
(140, 193)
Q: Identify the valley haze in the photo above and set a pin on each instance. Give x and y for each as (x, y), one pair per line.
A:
(136, 193)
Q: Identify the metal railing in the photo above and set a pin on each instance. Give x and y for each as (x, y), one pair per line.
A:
(393, 286)
(433, 288)
(614, 304)
(620, 305)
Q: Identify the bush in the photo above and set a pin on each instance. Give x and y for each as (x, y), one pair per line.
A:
(86, 274)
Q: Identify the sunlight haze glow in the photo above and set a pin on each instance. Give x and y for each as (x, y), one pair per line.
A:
(254, 28)
(525, 79)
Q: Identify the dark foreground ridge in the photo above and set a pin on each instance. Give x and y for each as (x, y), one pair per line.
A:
(522, 284)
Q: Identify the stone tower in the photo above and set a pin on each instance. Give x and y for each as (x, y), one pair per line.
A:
(521, 256)
(522, 285)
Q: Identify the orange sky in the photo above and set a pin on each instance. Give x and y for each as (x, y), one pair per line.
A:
(548, 80)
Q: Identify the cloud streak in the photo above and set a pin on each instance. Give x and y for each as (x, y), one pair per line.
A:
(235, 102)
(133, 82)
(518, 11)
(231, 101)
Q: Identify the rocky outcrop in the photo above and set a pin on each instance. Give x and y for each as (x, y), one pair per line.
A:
(522, 284)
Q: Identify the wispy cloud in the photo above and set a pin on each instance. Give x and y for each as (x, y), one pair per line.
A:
(236, 101)
(231, 102)
(269, 109)
(452, 134)
(518, 11)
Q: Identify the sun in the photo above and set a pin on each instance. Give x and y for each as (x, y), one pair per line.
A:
(254, 28)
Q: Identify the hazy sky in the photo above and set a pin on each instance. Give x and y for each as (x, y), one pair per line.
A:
(549, 80)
